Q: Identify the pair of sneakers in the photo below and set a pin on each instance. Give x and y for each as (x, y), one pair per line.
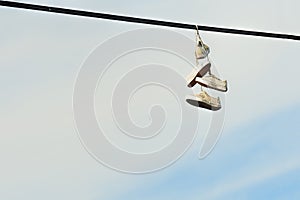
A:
(203, 99)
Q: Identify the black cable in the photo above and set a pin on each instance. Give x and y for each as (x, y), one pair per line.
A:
(144, 21)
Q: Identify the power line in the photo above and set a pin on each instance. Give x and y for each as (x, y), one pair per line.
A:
(89, 14)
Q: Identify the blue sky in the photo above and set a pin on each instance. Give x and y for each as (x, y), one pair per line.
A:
(257, 156)
(256, 161)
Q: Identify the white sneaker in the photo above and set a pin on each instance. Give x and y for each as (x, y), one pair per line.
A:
(202, 50)
(203, 100)
(212, 82)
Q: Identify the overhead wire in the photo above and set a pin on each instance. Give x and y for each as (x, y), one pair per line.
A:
(99, 15)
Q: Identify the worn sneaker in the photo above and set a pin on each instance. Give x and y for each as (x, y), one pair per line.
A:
(212, 82)
(202, 50)
(191, 79)
(203, 100)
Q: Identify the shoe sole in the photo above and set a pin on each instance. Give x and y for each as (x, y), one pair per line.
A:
(201, 73)
(198, 103)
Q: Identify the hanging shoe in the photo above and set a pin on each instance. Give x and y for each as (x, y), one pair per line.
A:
(203, 100)
(202, 50)
(191, 80)
(212, 82)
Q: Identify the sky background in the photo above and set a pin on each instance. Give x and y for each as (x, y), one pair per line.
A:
(257, 156)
